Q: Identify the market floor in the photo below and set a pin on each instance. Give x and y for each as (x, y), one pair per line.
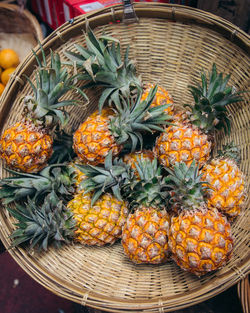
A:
(19, 293)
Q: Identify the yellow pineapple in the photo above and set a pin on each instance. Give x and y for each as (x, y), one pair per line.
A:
(110, 130)
(227, 182)
(162, 97)
(182, 142)
(145, 233)
(53, 223)
(89, 218)
(131, 158)
(97, 224)
(192, 139)
(200, 236)
(27, 145)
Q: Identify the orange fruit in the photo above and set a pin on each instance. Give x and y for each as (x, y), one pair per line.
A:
(8, 58)
(5, 76)
(1, 88)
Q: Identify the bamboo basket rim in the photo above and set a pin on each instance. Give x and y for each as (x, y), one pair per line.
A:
(34, 22)
(47, 279)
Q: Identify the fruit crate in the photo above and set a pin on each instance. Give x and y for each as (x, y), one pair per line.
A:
(171, 45)
(19, 29)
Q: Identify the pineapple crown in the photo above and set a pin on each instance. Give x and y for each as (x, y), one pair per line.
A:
(101, 64)
(109, 178)
(209, 112)
(39, 227)
(52, 81)
(56, 180)
(133, 117)
(229, 151)
(187, 191)
(62, 147)
(150, 189)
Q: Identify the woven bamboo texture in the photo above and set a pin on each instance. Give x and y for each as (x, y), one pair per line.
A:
(243, 289)
(19, 29)
(171, 45)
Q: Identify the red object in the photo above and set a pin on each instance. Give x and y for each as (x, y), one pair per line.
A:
(38, 8)
(57, 12)
(86, 6)
(50, 11)
(68, 9)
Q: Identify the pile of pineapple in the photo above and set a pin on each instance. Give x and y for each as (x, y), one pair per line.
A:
(139, 170)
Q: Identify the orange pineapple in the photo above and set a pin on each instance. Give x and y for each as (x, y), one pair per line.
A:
(200, 240)
(162, 97)
(182, 143)
(27, 145)
(144, 236)
(192, 139)
(93, 139)
(227, 182)
(109, 131)
(131, 158)
(145, 233)
(200, 236)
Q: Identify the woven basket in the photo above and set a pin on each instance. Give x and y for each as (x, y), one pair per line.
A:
(243, 289)
(19, 29)
(171, 45)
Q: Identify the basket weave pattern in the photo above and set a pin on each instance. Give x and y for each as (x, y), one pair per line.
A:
(171, 45)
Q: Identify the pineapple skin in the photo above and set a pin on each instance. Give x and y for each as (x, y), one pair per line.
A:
(200, 240)
(227, 184)
(144, 236)
(79, 175)
(26, 147)
(101, 223)
(93, 140)
(182, 143)
(162, 97)
(131, 158)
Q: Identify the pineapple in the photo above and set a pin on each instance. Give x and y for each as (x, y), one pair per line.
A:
(28, 145)
(53, 223)
(98, 224)
(192, 139)
(109, 131)
(145, 233)
(162, 97)
(144, 236)
(228, 191)
(97, 216)
(100, 64)
(200, 236)
(132, 157)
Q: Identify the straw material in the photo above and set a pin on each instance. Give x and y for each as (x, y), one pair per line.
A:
(243, 289)
(171, 45)
(19, 29)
